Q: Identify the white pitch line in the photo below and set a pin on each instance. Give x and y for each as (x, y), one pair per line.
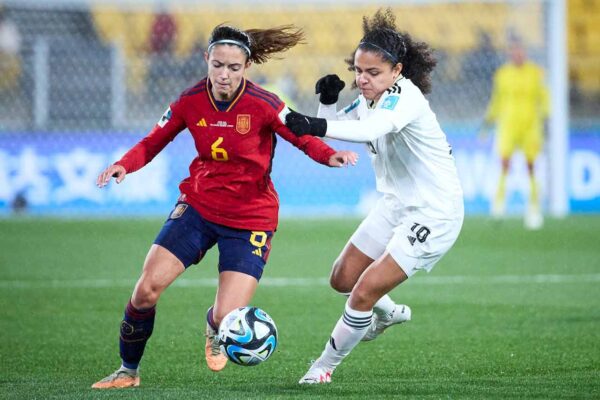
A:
(304, 282)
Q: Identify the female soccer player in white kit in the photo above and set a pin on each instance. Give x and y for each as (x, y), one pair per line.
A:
(420, 214)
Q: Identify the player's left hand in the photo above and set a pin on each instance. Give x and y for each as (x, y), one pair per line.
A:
(113, 171)
(329, 88)
(343, 158)
(301, 124)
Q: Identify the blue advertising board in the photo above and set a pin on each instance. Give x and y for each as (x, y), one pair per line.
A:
(56, 174)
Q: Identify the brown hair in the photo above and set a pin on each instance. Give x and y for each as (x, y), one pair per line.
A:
(262, 43)
(380, 35)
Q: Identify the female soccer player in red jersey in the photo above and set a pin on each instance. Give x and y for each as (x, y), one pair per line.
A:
(228, 199)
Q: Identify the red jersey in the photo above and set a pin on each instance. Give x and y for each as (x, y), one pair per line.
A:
(229, 182)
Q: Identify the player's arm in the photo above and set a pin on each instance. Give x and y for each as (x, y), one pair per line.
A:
(493, 109)
(330, 113)
(384, 120)
(313, 147)
(328, 88)
(492, 112)
(165, 130)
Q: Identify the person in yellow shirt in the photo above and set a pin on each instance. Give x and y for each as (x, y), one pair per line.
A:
(518, 107)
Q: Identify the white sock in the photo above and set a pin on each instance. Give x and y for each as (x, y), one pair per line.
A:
(347, 333)
(130, 371)
(384, 307)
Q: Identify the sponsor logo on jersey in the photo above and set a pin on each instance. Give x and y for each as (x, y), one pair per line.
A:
(178, 211)
(165, 118)
(201, 123)
(257, 252)
(390, 102)
(222, 124)
(242, 124)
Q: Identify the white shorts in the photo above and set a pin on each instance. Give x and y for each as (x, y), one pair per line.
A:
(415, 240)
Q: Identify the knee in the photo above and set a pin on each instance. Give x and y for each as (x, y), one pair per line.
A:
(361, 298)
(145, 295)
(338, 280)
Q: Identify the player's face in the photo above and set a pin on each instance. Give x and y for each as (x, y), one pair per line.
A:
(226, 67)
(374, 74)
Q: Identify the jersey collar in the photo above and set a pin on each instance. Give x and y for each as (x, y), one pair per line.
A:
(235, 100)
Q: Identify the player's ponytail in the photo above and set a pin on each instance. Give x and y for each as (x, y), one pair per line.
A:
(380, 35)
(265, 42)
(258, 44)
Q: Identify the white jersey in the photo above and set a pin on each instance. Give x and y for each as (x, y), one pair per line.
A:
(411, 157)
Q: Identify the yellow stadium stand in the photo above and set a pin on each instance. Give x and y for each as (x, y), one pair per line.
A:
(333, 30)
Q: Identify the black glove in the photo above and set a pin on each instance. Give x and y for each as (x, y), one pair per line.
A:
(301, 124)
(329, 87)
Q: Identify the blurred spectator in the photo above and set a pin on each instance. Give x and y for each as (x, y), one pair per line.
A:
(10, 46)
(519, 107)
(194, 66)
(163, 34)
(164, 68)
(479, 65)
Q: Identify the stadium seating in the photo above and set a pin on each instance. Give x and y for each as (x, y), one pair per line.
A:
(584, 44)
(332, 30)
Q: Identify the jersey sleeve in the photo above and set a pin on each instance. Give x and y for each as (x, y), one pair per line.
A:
(313, 147)
(365, 130)
(165, 130)
(330, 112)
(402, 108)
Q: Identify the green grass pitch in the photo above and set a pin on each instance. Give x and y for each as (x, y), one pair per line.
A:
(506, 314)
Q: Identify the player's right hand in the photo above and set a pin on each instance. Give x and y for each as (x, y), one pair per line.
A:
(301, 124)
(116, 171)
(329, 88)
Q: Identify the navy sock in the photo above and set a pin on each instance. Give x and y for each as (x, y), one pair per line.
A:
(136, 329)
(210, 319)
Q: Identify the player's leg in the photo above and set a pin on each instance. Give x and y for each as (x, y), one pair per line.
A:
(180, 243)
(380, 277)
(366, 244)
(235, 290)
(242, 257)
(532, 147)
(506, 146)
(160, 270)
(348, 267)
(414, 246)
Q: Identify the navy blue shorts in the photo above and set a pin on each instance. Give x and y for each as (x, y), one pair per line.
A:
(189, 236)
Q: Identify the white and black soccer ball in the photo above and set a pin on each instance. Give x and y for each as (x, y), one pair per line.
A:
(247, 336)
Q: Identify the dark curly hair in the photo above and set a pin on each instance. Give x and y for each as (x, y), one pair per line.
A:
(262, 43)
(380, 35)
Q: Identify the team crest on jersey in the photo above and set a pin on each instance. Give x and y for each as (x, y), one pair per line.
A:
(178, 211)
(242, 124)
(165, 118)
(390, 102)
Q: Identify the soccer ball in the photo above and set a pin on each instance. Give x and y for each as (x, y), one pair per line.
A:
(247, 336)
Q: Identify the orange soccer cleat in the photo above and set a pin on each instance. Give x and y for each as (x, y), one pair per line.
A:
(214, 358)
(119, 379)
